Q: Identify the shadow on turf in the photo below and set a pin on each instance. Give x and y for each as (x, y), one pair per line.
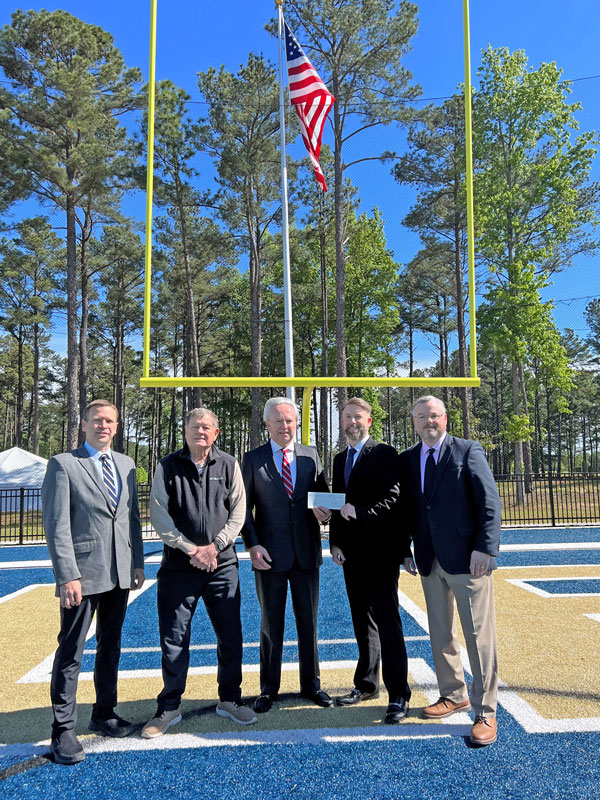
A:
(289, 712)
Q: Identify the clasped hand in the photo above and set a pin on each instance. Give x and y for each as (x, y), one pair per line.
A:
(205, 558)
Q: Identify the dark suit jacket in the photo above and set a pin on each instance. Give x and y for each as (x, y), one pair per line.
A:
(373, 489)
(286, 527)
(463, 513)
(81, 528)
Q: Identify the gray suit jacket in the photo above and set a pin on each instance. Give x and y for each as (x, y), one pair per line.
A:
(86, 540)
(286, 527)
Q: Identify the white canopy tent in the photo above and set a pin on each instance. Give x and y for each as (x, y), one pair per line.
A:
(18, 469)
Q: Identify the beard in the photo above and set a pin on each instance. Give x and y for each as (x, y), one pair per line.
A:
(356, 432)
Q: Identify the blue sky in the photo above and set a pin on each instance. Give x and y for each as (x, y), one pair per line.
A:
(195, 35)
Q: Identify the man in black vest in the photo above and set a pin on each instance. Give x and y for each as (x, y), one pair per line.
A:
(197, 507)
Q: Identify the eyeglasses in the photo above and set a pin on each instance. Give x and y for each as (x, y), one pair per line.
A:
(427, 417)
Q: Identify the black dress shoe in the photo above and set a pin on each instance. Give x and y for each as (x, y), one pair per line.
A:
(263, 703)
(396, 711)
(66, 748)
(116, 727)
(355, 696)
(318, 697)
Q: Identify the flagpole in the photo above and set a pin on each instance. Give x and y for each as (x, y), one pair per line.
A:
(287, 282)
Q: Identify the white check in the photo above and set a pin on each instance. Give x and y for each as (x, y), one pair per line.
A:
(326, 500)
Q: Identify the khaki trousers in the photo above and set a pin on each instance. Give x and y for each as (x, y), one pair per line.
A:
(475, 602)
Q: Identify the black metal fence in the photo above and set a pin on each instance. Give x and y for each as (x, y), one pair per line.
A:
(551, 500)
(21, 515)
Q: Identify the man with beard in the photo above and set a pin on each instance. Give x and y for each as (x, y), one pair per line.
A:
(452, 508)
(367, 540)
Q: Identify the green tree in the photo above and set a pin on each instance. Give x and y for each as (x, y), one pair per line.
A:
(176, 144)
(242, 136)
(28, 265)
(533, 204)
(67, 84)
(370, 312)
(435, 164)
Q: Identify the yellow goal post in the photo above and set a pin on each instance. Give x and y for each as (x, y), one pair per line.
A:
(307, 383)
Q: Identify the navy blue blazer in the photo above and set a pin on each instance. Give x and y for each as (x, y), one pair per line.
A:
(463, 513)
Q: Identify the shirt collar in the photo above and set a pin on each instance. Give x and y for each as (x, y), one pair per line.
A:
(437, 446)
(95, 454)
(358, 447)
(276, 448)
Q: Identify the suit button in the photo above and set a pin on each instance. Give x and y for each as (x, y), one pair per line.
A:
(428, 508)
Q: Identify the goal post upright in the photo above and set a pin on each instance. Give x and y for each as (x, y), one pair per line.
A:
(307, 384)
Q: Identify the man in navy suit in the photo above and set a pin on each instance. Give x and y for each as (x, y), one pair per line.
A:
(283, 538)
(453, 509)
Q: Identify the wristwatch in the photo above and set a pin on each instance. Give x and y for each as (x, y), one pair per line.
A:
(219, 545)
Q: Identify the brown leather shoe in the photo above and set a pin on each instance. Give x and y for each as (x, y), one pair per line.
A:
(444, 707)
(484, 730)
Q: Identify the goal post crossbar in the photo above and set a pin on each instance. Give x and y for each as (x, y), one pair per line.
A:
(307, 384)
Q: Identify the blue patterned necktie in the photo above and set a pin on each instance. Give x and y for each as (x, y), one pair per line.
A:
(109, 480)
(349, 463)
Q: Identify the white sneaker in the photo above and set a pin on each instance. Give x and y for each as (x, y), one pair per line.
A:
(238, 713)
(160, 724)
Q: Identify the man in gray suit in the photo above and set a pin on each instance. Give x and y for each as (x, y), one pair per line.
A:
(283, 538)
(94, 536)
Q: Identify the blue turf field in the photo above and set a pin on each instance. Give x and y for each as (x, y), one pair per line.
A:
(549, 725)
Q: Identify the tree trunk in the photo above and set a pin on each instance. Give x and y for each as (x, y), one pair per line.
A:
(35, 393)
(460, 319)
(18, 437)
(520, 488)
(72, 383)
(255, 327)
(86, 232)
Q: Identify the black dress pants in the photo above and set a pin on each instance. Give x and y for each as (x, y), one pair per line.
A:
(178, 594)
(109, 608)
(373, 598)
(271, 588)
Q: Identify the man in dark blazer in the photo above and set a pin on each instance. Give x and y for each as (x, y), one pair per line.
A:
(368, 540)
(283, 538)
(94, 536)
(452, 508)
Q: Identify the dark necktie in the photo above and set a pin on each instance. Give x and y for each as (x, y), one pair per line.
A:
(348, 467)
(109, 480)
(429, 478)
(286, 474)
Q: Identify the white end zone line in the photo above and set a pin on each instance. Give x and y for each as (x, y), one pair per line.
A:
(523, 583)
(24, 590)
(43, 672)
(244, 556)
(529, 719)
(520, 709)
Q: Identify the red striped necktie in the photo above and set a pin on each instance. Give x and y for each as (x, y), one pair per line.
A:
(286, 474)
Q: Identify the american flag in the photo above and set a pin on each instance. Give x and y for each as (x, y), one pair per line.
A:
(310, 97)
